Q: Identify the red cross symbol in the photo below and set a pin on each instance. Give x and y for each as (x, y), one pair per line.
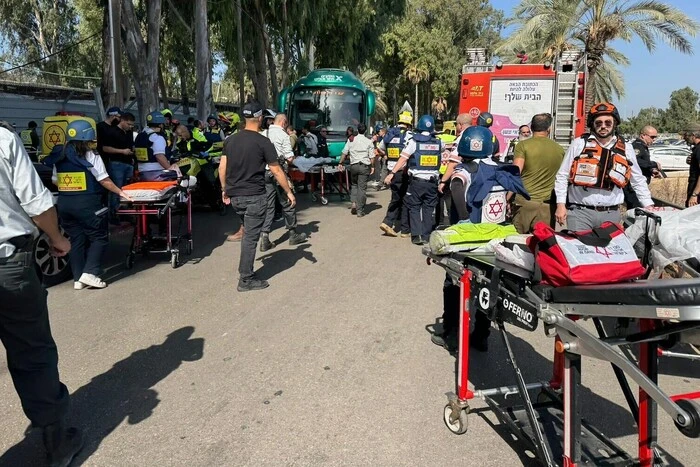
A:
(496, 208)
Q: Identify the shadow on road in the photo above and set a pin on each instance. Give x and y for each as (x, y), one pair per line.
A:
(124, 392)
(281, 260)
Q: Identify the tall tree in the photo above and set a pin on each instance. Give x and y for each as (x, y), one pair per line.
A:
(682, 110)
(39, 28)
(143, 55)
(590, 25)
(205, 104)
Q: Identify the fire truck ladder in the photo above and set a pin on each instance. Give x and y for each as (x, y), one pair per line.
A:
(566, 88)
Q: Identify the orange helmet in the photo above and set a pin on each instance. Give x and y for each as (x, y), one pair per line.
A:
(603, 108)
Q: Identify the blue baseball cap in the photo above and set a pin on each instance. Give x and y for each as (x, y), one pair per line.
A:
(114, 112)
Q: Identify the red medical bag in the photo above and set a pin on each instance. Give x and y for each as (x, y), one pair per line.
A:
(600, 256)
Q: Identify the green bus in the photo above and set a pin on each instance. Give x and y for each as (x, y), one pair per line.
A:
(330, 98)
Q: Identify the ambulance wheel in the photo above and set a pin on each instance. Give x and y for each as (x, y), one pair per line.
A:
(324, 200)
(174, 260)
(459, 426)
(693, 429)
(129, 263)
(314, 197)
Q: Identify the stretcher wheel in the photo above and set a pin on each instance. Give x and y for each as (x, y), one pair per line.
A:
(129, 263)
(174, 260)
(458, 426)
(314, 197)
(692, 430)
(324, 200)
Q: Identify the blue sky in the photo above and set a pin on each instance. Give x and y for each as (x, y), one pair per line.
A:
(650, 79)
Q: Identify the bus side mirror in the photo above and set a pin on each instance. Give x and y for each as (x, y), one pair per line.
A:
(282, 101)
(371, 102)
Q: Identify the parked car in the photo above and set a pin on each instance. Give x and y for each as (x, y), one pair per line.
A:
(670, 157)
(54, 270)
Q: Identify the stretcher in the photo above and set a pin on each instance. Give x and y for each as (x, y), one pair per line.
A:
(160, 202)
(333, 180)
(551, 425)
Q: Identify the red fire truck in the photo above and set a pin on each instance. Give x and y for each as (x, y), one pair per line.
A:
(513, 93)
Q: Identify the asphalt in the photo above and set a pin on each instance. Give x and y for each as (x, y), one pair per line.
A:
(332, 365)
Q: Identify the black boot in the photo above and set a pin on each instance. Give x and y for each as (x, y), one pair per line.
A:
(296, 238)
(265, 243)
(62, 444)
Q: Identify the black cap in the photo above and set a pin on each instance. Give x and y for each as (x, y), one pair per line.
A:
(252, 110)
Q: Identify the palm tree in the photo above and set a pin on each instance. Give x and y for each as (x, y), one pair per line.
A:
(551, 26)
(373, 81)
(416, 73)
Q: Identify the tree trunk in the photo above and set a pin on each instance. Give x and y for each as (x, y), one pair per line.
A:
(205, 103)
(142, 55)
(286, 54)
(184, 96)
(260, 77)
(415, 110)
(106, 91)
(241, 62)
(268, 51)
(594, 58)
(163, 88)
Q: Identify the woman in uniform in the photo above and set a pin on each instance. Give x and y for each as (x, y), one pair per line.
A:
(81, 177)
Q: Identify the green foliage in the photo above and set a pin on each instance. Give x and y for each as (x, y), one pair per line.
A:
(429, 44)
(546, 27)
(682, 110)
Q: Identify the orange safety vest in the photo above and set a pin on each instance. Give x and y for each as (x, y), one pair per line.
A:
(598, 167)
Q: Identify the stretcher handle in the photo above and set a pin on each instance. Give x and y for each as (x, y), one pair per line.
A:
(643, 212)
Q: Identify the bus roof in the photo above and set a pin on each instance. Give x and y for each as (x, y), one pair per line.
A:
(330, 77)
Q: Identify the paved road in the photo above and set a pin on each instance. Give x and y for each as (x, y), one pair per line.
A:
(331, 365)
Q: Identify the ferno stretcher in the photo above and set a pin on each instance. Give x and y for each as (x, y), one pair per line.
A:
(551, 425)
(333, 180)
(161, 202)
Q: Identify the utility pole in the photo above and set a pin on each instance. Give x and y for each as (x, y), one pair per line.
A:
(116, 89)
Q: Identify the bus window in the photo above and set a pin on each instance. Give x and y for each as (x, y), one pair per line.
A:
(333, 108)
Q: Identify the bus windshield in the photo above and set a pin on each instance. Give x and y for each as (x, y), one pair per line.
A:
(334, 108)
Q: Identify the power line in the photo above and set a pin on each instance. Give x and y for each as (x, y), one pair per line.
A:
(41, 59)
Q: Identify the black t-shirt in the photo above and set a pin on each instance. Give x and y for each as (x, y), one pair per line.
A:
(246, 153)
(119, 139)
(694, 172)
(103, 130)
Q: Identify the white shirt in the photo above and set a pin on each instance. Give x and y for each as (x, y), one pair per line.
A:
(360, 149)
(280, 139)
(408, 135)
(597, 196)
(408, 152)
(22, 194)
(311, 143)
(158, 145)
(97, 170)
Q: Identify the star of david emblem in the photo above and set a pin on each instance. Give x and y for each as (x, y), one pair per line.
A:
(67, 180)
(602, 251)
(496, 208)
(54, 137)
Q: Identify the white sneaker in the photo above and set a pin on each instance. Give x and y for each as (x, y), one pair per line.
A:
(77, 285)
(92, 280)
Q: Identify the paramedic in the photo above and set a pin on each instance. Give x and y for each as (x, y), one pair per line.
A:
(243, 186)
(485, 119)
(393, 145)
(538, 159)
(475, 148)
(454, 159)
(423, 156)
(285, 155)
(596, 168)
(150, 149)
(81, 178)
(32, 358)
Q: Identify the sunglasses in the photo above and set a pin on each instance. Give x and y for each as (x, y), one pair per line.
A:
(652, 136)
(603, 123)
